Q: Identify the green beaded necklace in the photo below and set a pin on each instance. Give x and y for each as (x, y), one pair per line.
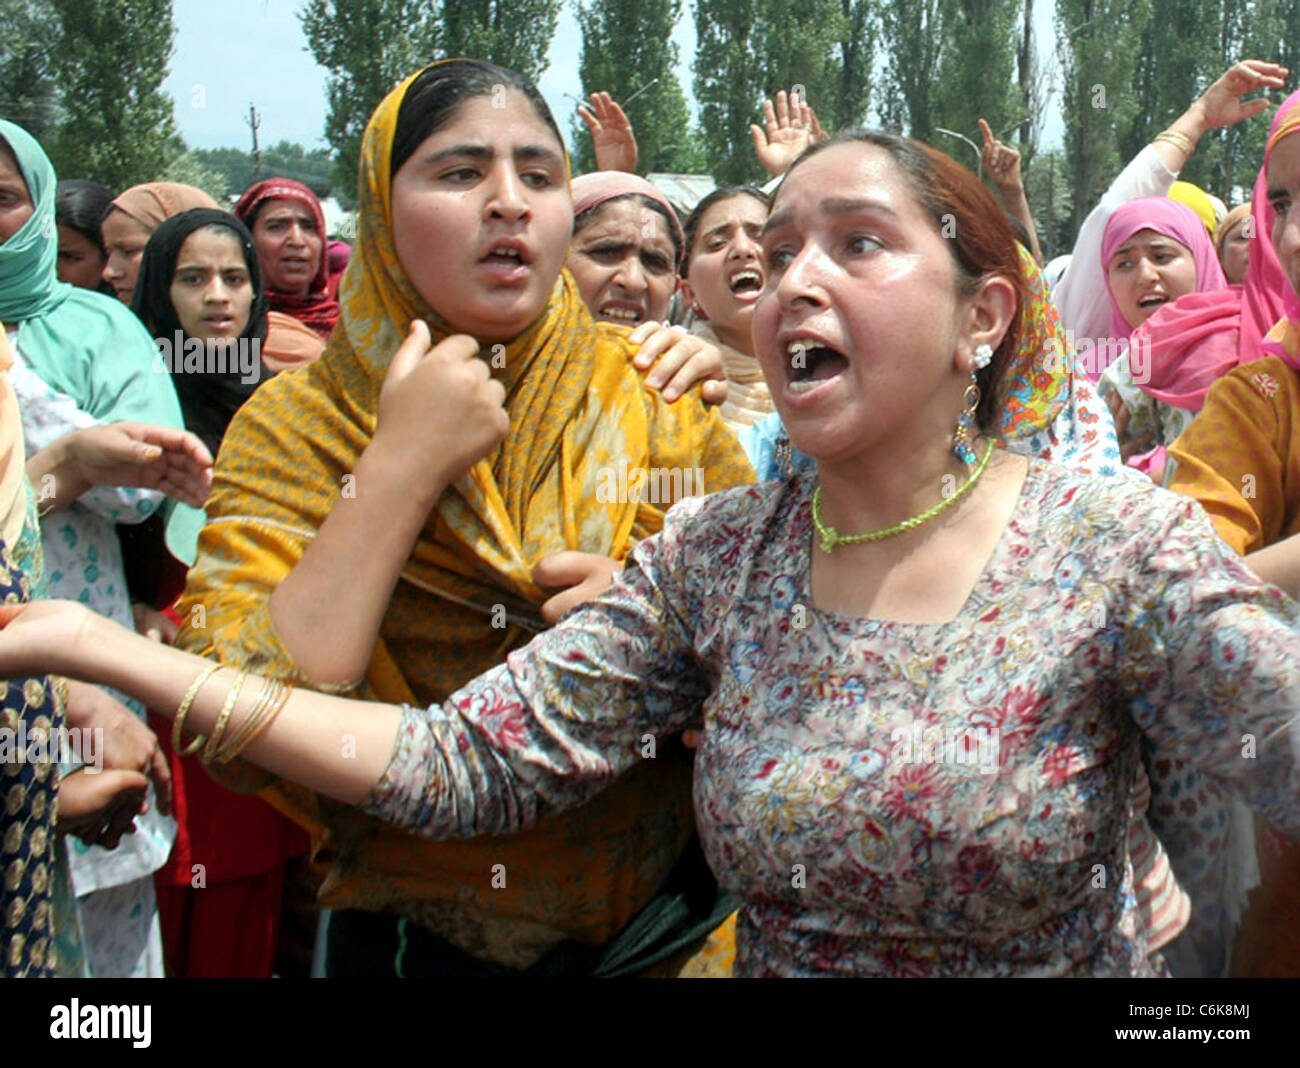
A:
(832, 537)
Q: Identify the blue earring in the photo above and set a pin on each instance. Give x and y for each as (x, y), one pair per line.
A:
(961, 445)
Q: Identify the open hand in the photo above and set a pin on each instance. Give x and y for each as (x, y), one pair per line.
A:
(162, 458)
(1221, 103)
(612, 138)
(680, 359)
(791, 126)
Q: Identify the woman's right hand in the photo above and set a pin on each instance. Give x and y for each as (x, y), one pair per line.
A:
(440, 409)
(1221, 103)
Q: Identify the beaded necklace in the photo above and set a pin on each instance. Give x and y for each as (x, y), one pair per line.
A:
(832, 537)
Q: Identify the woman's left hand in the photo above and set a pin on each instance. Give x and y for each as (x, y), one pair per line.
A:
(585, 574)
(1221, 103)
(679, 358)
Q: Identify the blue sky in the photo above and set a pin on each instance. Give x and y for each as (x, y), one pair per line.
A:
(236, 52)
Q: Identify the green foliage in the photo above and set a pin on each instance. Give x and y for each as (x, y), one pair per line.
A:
(977, 69)
(27, 90)
(515, 34)
(914, 36)
(118, 125)
(1099, 42)
(234, 170)
(190, 169)
(746, 50)
(359, 42)
(627, 45)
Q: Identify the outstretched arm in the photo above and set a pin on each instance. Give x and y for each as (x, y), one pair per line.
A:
(561, 719)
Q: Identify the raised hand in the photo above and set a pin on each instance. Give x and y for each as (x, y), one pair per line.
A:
(1221, 103)
(611, 134)
(440, 409)
(677, 359)
(791, 127)
(1001, 161)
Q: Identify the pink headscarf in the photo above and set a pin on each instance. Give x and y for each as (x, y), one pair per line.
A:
(600, 186)
(1268, 296)
(1173, 220)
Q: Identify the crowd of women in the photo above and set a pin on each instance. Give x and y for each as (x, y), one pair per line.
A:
(329, 559)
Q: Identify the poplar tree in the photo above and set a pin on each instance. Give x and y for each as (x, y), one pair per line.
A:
(118, 126)
(628, 51)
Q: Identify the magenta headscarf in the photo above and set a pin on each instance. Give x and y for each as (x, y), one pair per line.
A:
(1268, 296)
(1173, 220)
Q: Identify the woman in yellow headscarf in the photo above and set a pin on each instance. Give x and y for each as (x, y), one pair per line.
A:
(333, 494)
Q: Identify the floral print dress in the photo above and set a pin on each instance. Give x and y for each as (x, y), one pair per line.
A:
(895, 799)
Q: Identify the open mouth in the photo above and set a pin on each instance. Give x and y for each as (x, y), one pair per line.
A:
(620, 313)
(746, 282)
(506, 254)
(1152, 303)
(810, 363)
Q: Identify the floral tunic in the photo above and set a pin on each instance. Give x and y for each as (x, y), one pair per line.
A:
(889, 798)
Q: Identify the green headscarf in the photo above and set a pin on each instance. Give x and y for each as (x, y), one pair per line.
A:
(80, 343)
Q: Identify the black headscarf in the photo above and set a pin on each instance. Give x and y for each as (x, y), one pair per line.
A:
(208, 401)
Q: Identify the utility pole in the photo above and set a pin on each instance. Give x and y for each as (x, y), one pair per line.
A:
(254, 121)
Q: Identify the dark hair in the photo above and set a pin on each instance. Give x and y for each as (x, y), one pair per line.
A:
(586, 218)
(432, 100)
(693, 220)
(981, 241)
(208, 401)
(80, 205)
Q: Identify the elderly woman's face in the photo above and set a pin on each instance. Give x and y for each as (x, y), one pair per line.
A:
(16, 205)
(857, 326)
(623, 263)
(1235, 254)
(482, 217)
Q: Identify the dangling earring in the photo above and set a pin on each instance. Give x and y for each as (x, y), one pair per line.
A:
(961, 445)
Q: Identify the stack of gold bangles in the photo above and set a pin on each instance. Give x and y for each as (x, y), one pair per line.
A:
(270, 700)
(1178, 140)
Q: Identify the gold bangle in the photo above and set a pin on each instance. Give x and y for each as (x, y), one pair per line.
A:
(183, 710)
(253, 726)
(219, 728)
(1178, 140)
(265, 696)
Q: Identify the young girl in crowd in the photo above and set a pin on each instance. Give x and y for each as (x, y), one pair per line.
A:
(721, 279)
(822, 625)
(318, 540)
(200, 281)
(1081, 293)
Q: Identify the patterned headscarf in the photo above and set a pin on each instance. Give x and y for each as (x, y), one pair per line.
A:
(316, 308)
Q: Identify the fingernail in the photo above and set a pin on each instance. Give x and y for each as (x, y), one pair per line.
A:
(670, 393)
